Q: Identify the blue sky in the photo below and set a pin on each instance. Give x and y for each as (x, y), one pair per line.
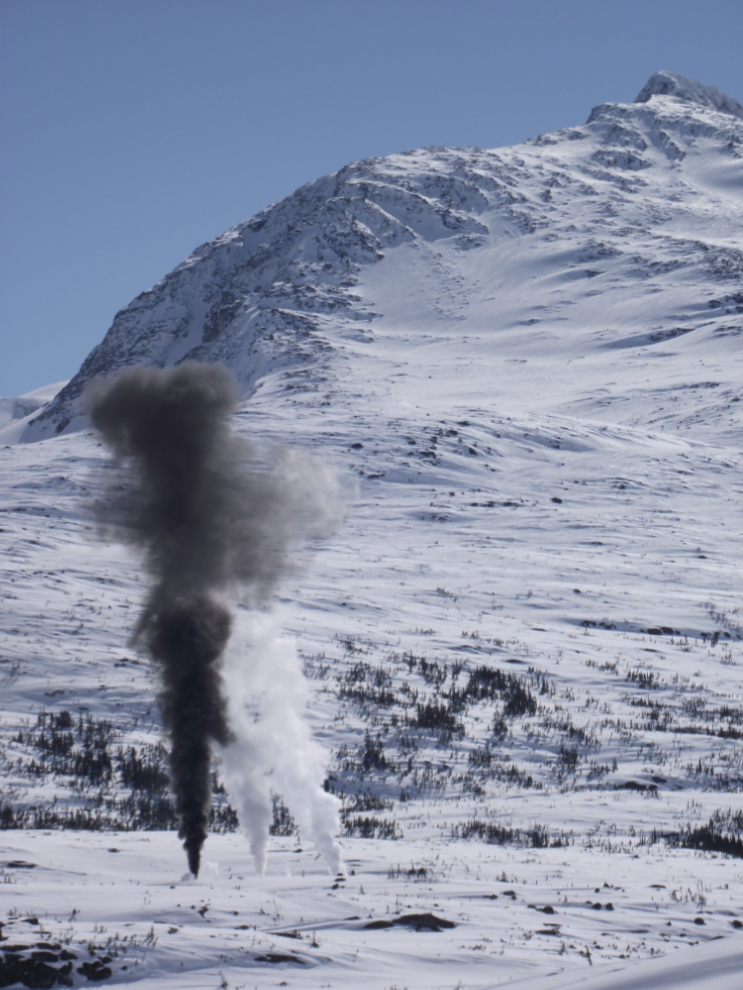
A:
(133, 131)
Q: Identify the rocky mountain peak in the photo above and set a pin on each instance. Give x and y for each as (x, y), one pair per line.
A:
(690, 91)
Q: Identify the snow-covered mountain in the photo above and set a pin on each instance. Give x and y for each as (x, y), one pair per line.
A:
(620, 234)
(520, 646)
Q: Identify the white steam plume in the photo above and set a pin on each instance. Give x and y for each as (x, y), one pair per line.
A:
(273, 748)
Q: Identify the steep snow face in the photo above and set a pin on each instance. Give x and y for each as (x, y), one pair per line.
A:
(615, 236)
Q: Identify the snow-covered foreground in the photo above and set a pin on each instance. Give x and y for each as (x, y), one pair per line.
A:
(472, 918)
(522, 644)
(617, 607)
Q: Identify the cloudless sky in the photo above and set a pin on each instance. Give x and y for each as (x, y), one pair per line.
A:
(134, 130)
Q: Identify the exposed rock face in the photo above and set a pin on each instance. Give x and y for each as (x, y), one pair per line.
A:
(640, 191)
(690, 91)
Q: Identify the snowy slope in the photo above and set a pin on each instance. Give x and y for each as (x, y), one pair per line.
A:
(522, 642)
(15, 412)
(621, 234)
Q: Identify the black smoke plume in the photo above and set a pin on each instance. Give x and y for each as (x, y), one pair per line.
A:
(184, 494)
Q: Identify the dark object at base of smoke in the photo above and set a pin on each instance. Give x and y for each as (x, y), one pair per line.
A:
(187, 638)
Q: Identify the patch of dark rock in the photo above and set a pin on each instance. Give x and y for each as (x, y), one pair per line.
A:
(95, 971)
(427, 920)
(356, 446)
(510, 893)
(547, 909)
(30, 972)
(699, 921)
(44, 955)
(20, 864)
(66, 954)
(557, 500)
(737, 923)
(280, 957)
(64, 975)
(420, 922)
(549, 931)
(293, 934)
